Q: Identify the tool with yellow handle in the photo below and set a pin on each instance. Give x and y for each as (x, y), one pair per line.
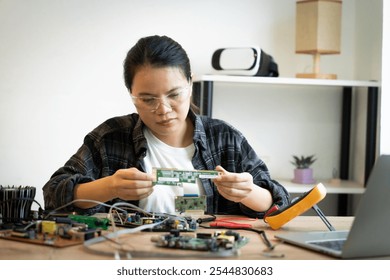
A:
(277, 217)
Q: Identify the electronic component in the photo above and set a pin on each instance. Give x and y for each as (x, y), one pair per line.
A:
(50, 233)
(276, 217)
(49, 227)
(183, 224)
(15, 203)
(190, 204)
(217, 242)
(91, 222)
(175, 177)
(164, 223)
(60, 231)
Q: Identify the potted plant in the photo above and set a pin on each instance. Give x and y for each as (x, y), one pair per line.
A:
(303, 174)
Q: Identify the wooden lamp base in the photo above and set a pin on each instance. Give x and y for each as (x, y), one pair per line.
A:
(316, 70)
(316, 76)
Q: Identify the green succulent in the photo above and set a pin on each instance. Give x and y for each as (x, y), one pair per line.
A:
(303, 162)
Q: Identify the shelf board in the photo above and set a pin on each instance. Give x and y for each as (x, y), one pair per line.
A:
(285, 81)
(341, 187)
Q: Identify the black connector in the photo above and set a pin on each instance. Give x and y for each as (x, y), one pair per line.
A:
(206, 220)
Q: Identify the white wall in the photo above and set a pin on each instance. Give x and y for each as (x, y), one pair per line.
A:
(61, 75)
(385, 123)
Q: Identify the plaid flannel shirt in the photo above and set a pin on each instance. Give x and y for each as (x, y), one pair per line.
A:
(119, 143)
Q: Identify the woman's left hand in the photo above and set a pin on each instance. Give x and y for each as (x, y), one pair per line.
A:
(234, 186)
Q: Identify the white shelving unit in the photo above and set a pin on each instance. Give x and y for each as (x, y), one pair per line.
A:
(341, 187)
(203, 97)
(285, 81)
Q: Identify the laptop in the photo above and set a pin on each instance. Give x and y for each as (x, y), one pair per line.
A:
(369, 235)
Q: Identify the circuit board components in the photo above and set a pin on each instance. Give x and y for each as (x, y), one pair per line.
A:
(91, 222)
(175, 177)
(191, 204)
(60, 232)
(213, 242)
(164, 223)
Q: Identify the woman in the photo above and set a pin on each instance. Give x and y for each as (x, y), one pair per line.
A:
(116, 159)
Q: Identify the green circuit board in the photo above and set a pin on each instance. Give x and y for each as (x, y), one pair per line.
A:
(185, 204)
(175, 177)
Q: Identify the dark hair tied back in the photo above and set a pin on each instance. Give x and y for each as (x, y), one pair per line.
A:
(157, 51)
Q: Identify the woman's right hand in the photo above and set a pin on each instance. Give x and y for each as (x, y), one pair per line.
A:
(131, 184)
(126, 184)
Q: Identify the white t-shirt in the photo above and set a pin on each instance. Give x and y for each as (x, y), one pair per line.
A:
(161, 155)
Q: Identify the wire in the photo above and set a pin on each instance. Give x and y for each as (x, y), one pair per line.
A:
(114, 237)
(115, 206)
(227, 222)
(262, 234)
(79, 200)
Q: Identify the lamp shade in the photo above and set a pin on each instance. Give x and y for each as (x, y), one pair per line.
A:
(318, 26)
(318, 32)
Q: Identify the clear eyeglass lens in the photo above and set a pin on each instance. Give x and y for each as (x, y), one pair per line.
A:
(152, 103)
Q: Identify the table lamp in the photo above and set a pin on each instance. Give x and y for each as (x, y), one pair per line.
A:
(318, 32)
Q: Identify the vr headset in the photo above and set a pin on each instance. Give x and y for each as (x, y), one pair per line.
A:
(246, 61)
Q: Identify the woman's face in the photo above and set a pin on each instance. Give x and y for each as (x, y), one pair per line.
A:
(162, 97)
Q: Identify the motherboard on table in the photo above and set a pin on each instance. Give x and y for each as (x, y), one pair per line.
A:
(72, 229)
(60, 231)
(163, 222)
(219, 241)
